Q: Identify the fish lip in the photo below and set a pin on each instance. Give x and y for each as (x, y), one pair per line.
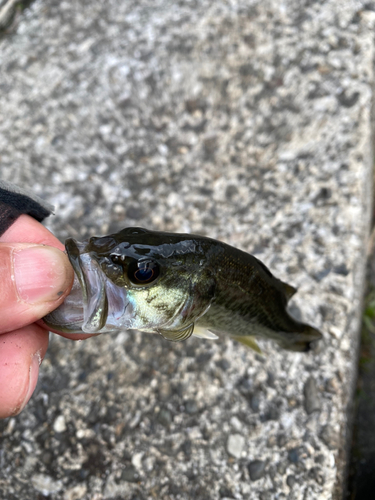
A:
(73, 253)
(85, 309)
(91, 279)
(69, 316)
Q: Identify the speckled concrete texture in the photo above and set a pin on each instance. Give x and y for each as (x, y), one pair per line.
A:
(247, 121)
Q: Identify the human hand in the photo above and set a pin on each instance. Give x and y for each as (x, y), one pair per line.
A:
(34, 280)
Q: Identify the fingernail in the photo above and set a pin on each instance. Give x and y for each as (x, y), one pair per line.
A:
(41, 273)
(33, 379)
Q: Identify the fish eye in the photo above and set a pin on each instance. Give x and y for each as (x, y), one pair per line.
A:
(143, 272)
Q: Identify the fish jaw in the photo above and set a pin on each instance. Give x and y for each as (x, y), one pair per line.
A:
(69, 316)
(95, 304)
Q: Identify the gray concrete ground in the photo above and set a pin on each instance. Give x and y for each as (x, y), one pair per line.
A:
(248, 121)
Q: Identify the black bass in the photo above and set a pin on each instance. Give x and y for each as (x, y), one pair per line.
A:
(176, 285)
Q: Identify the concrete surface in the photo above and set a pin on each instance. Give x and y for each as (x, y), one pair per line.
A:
(248, 121)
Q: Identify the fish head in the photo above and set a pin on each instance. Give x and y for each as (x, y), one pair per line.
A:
(136, 279)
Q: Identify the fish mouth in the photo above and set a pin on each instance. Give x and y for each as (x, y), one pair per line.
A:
(95, 304)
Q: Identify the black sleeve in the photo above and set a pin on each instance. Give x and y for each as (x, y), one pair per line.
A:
(15, 201)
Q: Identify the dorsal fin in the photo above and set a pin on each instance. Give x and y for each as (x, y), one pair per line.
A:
(177, 335)
(289, 290)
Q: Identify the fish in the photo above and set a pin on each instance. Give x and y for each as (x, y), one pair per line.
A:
(176, 285)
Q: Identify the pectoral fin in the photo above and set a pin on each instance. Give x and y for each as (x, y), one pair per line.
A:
(177, 335)
(248, 341)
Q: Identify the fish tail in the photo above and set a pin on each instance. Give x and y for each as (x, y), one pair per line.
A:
(304, 340)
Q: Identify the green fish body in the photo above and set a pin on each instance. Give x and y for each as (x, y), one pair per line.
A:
(176, 285)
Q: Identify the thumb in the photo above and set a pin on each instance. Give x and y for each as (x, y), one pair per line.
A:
(34, 280)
